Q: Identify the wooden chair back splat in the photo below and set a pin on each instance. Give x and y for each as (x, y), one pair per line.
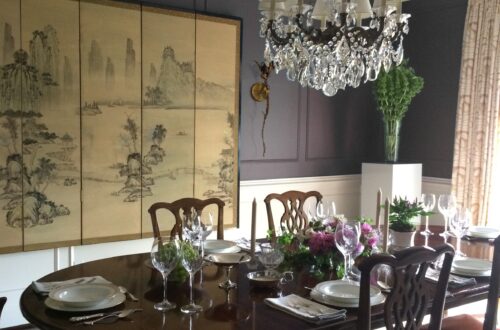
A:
(184, 207)
(411, 293)
(294, 217)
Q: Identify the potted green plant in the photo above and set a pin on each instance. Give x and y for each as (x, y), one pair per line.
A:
(402, 213)
(394, 91)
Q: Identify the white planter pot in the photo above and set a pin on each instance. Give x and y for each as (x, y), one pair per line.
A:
(400, 240)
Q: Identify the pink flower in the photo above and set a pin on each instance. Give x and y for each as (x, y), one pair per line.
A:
(321, 242)
(366, 229)
(359, 249)
(372, 241)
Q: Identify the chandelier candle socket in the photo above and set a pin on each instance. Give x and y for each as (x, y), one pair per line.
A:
(335, 43)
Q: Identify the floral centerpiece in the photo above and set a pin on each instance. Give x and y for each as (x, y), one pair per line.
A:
(315, 247)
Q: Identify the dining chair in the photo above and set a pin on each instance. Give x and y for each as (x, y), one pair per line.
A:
(408, 300)
(294, 217)
(473, 322)
(185, 207)
(3, 300)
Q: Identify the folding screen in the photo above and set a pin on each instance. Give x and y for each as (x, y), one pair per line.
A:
(107, 107)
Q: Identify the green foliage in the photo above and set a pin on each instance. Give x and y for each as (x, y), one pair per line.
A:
(188, 251)
(167, 251)
(394, 90)
(402, 212)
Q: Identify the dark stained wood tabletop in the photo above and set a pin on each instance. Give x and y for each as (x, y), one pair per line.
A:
(245, 310)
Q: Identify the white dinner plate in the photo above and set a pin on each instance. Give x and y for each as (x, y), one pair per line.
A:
(220, 246)
(343, 291)
(324, 299)
(84, 294)
(484, 232)
(473, 265)
(114, 301)
(470, 273)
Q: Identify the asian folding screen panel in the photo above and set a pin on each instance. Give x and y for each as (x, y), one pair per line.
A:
(107, 107)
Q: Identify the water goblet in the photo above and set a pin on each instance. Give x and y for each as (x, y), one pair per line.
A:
(322, 211)
(447, 205)
(428, 201)
(205, 225)
(192, 260)
(204, 228)
(270, 256)
(459, 224)
(354, 274)
(164, 256)
(346, 240)
(191, 227)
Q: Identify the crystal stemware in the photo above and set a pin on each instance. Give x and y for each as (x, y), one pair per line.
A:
(164, 256)
(271, 256)
(191, 227)
(354, 273)
(346, 240)
(447, 205)
(459, 224)
(428, 202)
(322, 211)
(192, 260)
(204, 227)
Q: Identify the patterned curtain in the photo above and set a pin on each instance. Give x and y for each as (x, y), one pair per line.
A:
(478, 109)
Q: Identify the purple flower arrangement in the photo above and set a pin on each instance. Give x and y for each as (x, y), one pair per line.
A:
(317, 244)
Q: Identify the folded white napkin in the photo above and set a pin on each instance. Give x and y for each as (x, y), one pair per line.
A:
(44, 288)
(454, 281)
(245, 244)
(306, 309)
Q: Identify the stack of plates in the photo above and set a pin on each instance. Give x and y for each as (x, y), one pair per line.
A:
(84, 297)
(343, 294)
(220, 246)
(471, 267)
(484, 232)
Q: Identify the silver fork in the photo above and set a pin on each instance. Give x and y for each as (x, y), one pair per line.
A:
(120, 315)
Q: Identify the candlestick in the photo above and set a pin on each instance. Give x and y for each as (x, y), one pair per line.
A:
(386, 224)
(377, 216)
(252, 234)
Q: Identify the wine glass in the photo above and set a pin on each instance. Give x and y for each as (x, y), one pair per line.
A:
(164, 256)
(205, 225)
(191, 227)
(447, 205)
(459, 224)
(428, 202)
(270, 256)
(192, 260)
(322, 211)
(346, 240)
(354, 274)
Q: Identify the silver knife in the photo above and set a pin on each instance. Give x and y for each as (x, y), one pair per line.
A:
(91, 316)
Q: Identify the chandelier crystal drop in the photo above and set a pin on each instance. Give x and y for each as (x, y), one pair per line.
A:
(333, 43)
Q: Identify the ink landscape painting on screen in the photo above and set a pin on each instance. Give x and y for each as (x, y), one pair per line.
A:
(101, 116)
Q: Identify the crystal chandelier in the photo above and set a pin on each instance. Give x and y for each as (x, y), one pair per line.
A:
(335, 43)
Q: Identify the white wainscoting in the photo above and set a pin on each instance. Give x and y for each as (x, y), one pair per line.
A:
(17, 270)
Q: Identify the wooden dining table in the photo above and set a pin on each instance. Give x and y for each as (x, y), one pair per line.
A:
(242, 308)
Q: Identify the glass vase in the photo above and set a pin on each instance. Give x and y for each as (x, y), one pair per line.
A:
(391, 139)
